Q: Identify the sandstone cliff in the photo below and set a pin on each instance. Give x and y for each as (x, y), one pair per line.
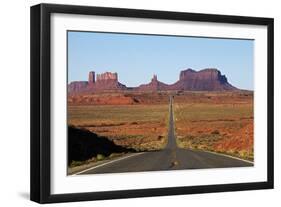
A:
(209, 79)
(154, 85)
(104, 81)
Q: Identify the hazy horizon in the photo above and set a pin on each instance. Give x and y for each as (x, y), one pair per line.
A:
(137, 57)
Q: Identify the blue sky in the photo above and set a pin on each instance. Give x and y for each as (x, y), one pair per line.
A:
(137, 57)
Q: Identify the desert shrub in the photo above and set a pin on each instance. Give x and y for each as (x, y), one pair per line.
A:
(215, 132)
(100, 157)
(160, 137)
(75, 163)
(113, 155)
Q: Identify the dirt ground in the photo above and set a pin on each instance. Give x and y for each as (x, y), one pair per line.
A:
(215, 121)
(220, 122)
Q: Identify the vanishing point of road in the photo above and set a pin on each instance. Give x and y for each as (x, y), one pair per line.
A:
(170, 158)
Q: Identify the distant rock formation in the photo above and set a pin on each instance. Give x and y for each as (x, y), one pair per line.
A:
(154, 85)
(91, 78)
(77, 86)
(107, 76)
(108, 81)
(104, 81)
(209, 79)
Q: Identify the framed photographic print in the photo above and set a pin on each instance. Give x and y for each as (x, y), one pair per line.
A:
(132, 103)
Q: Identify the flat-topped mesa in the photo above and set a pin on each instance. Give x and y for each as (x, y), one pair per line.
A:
(77, 86)
(208, 73)
(209, 79)
(107, 81)
(107, 76)
(99, 82)
(186, 73)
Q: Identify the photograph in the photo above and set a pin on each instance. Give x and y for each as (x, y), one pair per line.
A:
(133, 103)
(151, 102)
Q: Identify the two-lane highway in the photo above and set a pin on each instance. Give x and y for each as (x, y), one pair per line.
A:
(170, 158)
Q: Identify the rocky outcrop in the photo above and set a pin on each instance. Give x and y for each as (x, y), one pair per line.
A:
(104, 81)
(77, 86)
(107, 76)
(154, 85)
(91, 78)
(209, 79)
(108, 81)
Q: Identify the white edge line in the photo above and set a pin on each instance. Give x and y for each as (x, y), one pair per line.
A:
(229, 156)
(106, 163)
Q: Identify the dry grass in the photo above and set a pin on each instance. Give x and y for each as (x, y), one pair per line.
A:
(221, 122)
(223, 125)
(141, 127)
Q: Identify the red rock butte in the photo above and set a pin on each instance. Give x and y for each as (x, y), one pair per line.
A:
(107, 76)
(209, 79)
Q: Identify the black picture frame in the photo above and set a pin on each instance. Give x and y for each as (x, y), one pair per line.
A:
(41, 98)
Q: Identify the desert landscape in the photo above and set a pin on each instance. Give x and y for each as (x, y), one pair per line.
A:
(209, 114)
(220, 122)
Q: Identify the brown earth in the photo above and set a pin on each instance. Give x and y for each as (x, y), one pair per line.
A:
(140, 127)
(216, 122)
(119, 98)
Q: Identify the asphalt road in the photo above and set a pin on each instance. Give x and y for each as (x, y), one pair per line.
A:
(170, 158)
